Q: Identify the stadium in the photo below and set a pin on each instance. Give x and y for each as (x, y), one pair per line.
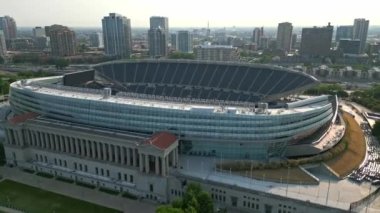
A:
(229, 110)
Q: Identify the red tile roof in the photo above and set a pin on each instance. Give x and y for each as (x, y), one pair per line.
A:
(162, 140)
(22, 118)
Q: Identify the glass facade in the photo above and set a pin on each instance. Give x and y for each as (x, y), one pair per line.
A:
(227, 135)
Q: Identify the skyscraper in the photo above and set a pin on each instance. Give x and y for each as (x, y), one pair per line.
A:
(62, 40)
(157, 43)
(8, 26)
(184, 42)
(38, 32)
(117, 35)
(360, 31)
(3, 46)
(284, 36)
(158, 36)
(316, 41)
(257, 34)
(159, 22)
(343, 32)
(173, 41)
(294, 41)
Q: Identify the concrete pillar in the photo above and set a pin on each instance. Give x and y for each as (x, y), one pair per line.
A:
(128, 155)
(66, 144)
(141, 162)
(47, 139)
(76, 142)
(116, 153)
(110, 147)
(56, 140)
(122, 154)
(88, 148)
(157, 166)
(21, 138)
(105, 151)
(134, 158)
(173, 157)
(99, 151)
(93, 149)
(147, 164)
(163, 166)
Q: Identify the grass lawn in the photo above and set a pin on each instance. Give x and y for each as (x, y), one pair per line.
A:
(32, 199)
(351, 158)
(296, 175)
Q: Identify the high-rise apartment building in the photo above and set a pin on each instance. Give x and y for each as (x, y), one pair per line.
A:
(38, 32)
(316, 41)
(343, 32)
(284, 36)
(3, 46)
(184, 42)
(8, 26)
(157, 43)
(360, 31)
(117, 35)
(159, 22)
(96, 39)
(62, 40)
(294, 41)
(173, 41)
(216, 53)
(257, 34)
(158, 36)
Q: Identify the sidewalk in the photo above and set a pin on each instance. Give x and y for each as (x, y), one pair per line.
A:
(78, 192)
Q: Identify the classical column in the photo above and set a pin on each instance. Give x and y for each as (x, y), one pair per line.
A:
(157, 166)
(88, 145)
(122, 154)
(116, 153)
(76, 141)
(99, 151)
(20, 137)
(105, 146)
(65, 138)
(93, 149)
(134, 157)
(110, 147)
(163, 166)
(128, 155)
(147, 164)
(141, 162)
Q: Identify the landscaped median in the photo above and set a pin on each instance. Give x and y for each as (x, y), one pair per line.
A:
(347, 161)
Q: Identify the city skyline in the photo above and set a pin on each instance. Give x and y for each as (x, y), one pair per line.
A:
(241, 14)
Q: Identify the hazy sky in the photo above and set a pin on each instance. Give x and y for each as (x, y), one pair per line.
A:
(192, 13)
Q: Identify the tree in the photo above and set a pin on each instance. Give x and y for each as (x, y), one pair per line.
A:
(194, 201)
(61, 63)
(376, 129)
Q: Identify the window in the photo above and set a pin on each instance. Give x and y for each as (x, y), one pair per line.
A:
(44, 157)
(108, 173)
(80, 167)
(102, 172)
(75, 166)
(151, 187)
(119, 175)
(85, 168)
(65, 163)
(60, 162)
(131, 178)
(36, 157)
(125, 177)
(55, 161)
(96, 170)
